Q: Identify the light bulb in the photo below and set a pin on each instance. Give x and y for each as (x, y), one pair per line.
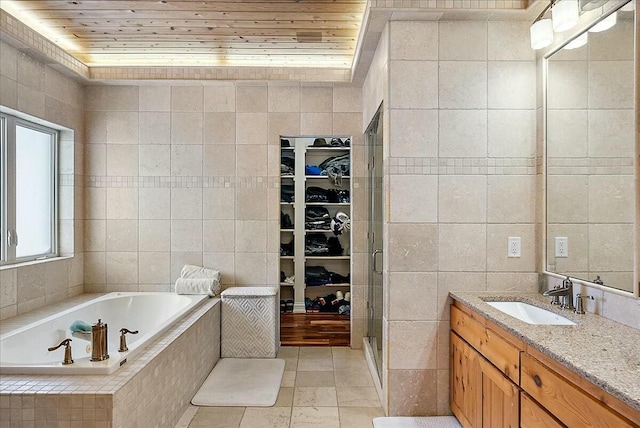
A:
(565, 15)
(578, 42)
(541, 34)
(605, 24)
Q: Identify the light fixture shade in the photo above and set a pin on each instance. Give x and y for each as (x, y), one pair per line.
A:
(605, 24)
(541, 34)
(578, 42)
(565, 15)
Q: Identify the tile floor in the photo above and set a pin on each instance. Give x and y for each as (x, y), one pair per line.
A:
(321, 387)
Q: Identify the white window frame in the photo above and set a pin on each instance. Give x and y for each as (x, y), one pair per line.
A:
(8, 236)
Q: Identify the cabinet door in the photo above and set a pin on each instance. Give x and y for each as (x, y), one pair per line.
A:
(500, 398)
(534, 416)
(466, 383)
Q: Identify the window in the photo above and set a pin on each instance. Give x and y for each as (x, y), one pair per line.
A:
(28, 190)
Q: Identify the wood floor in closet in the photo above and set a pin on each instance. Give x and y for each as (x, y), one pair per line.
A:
(315, 329)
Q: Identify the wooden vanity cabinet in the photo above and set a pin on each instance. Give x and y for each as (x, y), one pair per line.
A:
(484, 373)
(466, 382)
(567, 401)
(534, 416)
(497, 380)
(480, 394)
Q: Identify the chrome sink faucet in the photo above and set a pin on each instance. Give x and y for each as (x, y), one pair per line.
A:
(566, 292)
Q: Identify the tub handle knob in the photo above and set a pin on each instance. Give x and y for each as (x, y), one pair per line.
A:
(67, 351)
(123, 339)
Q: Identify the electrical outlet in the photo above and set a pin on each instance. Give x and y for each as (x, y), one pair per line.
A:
(562, 247)
(514, 244)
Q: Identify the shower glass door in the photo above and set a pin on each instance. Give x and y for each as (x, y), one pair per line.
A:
(374, 193)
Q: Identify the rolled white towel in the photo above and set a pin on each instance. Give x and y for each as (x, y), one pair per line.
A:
(208, 286)
(199, 272)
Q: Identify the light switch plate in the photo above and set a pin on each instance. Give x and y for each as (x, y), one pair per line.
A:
(514, 245)
(562, 247)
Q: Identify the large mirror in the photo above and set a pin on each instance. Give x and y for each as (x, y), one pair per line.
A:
(590, 155)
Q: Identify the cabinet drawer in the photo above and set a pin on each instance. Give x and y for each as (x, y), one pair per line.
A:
(534, 416)
(569, 404)
(487, 342)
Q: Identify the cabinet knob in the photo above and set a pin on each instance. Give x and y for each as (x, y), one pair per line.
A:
(537, 380)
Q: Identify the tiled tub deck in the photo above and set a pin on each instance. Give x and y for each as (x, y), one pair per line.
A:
(152, 390)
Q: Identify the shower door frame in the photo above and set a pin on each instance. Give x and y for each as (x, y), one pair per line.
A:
(375, 296)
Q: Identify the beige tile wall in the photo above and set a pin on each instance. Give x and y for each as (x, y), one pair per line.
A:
(460, 179)
(35, 90)
(190, 174)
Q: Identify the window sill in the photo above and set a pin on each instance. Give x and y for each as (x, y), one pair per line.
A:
(34, 262)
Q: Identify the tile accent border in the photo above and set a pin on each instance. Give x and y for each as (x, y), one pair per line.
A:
(188, 182)
(461, 166)
(297, 74)
(590, 166)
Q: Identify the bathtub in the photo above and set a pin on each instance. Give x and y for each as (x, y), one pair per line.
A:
(24, 350)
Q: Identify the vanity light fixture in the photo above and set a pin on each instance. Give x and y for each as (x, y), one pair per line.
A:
(587, 5)
(541, 31)
(565, 15)
(541, 34)
(605, 24)
(578, 42)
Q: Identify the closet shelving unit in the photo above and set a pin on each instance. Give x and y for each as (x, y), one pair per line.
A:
(305, 153)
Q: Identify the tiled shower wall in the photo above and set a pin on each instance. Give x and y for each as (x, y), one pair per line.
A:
(460, 180)
(38, 90)
(190, 174)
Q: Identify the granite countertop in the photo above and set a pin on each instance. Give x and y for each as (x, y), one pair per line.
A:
(603, 351)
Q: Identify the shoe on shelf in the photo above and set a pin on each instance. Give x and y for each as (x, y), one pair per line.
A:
(347, 296)
(288, 305)
(283, 306)
(339, 295)
(290, 279)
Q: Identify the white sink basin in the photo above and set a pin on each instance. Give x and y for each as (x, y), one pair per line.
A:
(530, 314)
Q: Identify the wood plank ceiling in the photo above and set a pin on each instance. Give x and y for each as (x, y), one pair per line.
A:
(159, 33)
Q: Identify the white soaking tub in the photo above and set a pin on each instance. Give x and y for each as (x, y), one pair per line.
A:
(24, 350)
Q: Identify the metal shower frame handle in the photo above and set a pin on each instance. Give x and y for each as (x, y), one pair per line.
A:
(374, 265)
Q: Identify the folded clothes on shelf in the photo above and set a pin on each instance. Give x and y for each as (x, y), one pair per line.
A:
(319, 275)
(317, 218)
(317, 194)
(317, 244)
(287, 193)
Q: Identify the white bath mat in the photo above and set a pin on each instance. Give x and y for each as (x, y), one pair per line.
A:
(417, 422)
(241, 382)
